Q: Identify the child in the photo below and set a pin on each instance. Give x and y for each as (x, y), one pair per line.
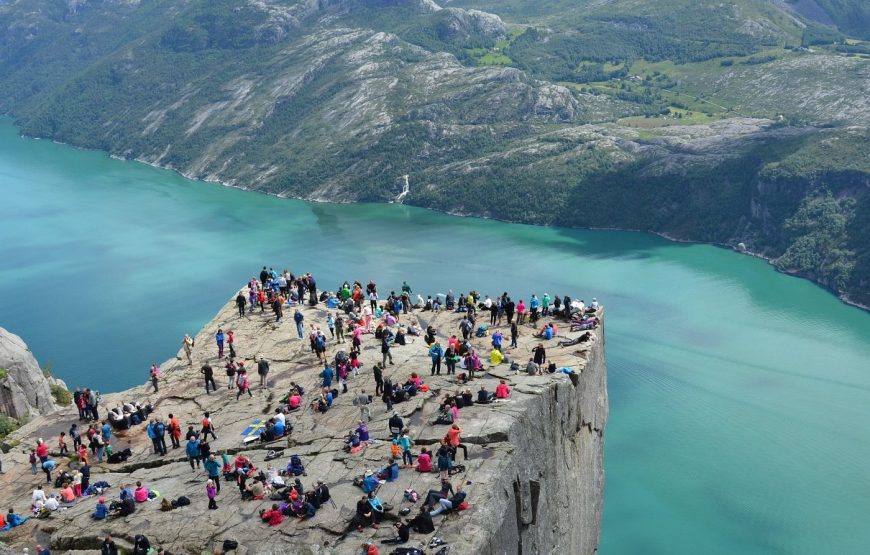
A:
(32, 461)
(61, 444)
(211, 492)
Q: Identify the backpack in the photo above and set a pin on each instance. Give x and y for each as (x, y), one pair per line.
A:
(181, 501)
(411, 495)
(340, 357)
(395, 450)
(481, 332)
(230, 545)
(296, 463)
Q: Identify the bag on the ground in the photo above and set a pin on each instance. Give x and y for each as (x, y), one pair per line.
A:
(230, 545)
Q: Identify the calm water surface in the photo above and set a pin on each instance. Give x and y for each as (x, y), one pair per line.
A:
(739, 397)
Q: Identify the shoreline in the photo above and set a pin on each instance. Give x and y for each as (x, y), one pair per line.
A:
(842, 297)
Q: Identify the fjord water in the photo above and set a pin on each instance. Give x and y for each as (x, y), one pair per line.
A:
(739, 396)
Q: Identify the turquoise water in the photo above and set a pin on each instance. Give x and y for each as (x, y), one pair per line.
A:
(739, 396)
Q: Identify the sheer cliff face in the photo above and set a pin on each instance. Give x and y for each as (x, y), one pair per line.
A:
(24, 389)
(548, 495)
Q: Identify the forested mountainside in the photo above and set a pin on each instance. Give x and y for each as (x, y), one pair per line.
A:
(742, 121)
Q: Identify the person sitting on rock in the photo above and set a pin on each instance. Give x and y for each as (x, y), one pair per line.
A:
(424, 461)
(370, 482)
(403, 534)
(378, 509)
(321, 493)
(294, 401)
(140, 494)
(352, 442)
(390, 472)
(445, 416)
(422, 523)
(483, 396)
(502, 391)
(364, 514)
(363, 431)
(101, 511)
(273, 516)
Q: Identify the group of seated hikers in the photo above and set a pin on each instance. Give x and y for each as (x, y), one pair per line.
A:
(293, 500)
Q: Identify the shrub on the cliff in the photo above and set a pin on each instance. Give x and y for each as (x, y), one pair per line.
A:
(61, 395)
(7, 426)
(4, 373)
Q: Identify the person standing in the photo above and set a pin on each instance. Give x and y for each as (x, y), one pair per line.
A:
(385, 349)
(515, 332)
(219, 339)
(175, 430)
(207, 427)
(299, 318)
(242, 383)
(339, 329)
(231, 341)
(330, 324)
(159, 433)
(262, 370)
(241, 301)
(154, 373)
(213, 469)
(192, 451)
(436, 353)
(363, 401)
(211, 493)
(208, 374)
(187, 345)
(378, 372)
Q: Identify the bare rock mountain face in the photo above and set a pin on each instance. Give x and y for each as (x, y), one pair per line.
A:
(25, 391)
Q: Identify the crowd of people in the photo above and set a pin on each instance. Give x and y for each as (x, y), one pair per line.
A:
(355, 313)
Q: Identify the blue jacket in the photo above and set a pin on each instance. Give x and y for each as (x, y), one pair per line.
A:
(192, 448)
(436, 352)
(101, 511)
(298, 317)
(327, 376)
(212, 467)
(369, 484)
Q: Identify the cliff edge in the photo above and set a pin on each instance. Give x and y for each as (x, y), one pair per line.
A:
(534, 470)
(25, 390)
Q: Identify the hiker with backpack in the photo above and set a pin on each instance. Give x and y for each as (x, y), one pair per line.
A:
(207, 427)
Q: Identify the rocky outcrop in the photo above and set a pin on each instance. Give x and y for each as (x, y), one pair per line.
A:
(534, 472)
(25, 390)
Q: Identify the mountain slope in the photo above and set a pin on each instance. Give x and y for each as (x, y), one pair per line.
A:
(668, 116)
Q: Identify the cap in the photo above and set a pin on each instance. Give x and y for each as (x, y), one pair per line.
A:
(368, 473)
(102, 499)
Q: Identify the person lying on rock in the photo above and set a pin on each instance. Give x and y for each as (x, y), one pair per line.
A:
(447, 505)
(434, 495)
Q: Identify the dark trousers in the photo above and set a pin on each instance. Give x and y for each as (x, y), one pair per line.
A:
(492, 318)
(212, 504)
(379, 387)
(217, 482)
(464, 452)
(241, 310)
(436, 366)
(213, 385)
(451, 367)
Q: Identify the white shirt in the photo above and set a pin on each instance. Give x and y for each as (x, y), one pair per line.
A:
(52, 504)
(279, 416)
(38, 495)
(487, 303)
